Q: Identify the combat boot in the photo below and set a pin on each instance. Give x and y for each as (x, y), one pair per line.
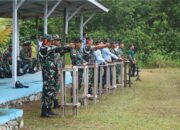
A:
(50, 112)
(45, 113)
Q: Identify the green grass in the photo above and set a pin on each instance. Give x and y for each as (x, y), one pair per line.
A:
(152, 104)
(68, 59)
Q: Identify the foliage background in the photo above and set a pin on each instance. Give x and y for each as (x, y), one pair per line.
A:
(152, 25)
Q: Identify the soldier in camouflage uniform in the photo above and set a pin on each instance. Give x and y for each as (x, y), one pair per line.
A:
(26, 56)
(49, 72)
(59, 64)
(90, 58)
(2, 73)
(7, 61)
(118, 52)
(77, 59)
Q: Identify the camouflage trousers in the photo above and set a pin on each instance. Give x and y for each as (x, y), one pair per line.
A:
(80, 77)
(91, 75)
(49, 86)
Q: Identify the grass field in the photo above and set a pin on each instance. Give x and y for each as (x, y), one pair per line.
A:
(152, 104)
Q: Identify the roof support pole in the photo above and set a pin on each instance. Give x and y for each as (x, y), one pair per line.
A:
(15, 40)
(53, 8)
(18, 29)
(66, 22)
(81, 27)
(88, 19)
(20, 3)
(74, 13)
(45, 16)
(14, 44)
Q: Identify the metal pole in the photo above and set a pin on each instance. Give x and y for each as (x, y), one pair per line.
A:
(45, 17)
(81, 27)
(14, 42)
(65, 29)
(37, 39)
(18, 29)
(65, 22)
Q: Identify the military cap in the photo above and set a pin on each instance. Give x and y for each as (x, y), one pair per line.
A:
(56, 37)
(28, 42)
(77, 40)
(48, 37)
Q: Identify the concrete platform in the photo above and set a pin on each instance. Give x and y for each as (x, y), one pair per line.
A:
(9, 115)
(34, 81)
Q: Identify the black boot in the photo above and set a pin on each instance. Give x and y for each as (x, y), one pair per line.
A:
(44, 112)
(50, 112)
(56, 104)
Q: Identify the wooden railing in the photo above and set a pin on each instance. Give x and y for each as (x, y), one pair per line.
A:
(111, 84)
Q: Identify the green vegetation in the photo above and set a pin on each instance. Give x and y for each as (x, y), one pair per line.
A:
(152, 25)
(5, 31)
(152, 104)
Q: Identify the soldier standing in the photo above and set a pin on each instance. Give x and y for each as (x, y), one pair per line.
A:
(49, 73)
(131, 57)
(7, 60)
(77, 59)
(115, 50)
(59, 64)
(90, 58)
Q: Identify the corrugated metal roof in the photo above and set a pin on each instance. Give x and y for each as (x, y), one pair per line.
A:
(35, 8)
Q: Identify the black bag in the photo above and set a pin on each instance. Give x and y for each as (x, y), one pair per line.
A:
(20, 85)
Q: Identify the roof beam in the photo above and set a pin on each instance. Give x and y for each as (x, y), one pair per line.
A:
(88, 19)
(74, 13)
(53, 8)
(99, 5)
(20, 3)
(45, 16)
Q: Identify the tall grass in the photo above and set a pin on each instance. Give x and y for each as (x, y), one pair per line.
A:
(157, 60)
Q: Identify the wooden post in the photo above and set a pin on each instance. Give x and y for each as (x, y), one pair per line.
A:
(75, 77)
(100, 82)
(114, 86)
(86, 82)
(129, 74)
(95, 82)
(125, 74)
(62, 93)
(107, 78)
(122, 74)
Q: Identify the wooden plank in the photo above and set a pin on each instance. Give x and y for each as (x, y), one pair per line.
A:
(95, 82)
(62, 94)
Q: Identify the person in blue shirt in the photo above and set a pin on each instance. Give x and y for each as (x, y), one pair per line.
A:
(99, 59)
(108, 56)
(131, 57)
(98, 54)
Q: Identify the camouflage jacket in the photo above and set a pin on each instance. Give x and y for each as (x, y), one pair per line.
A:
(117, 51)
(88, 55)
(7, 57)
(25, 53)
(48, 54)
(77, 57)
